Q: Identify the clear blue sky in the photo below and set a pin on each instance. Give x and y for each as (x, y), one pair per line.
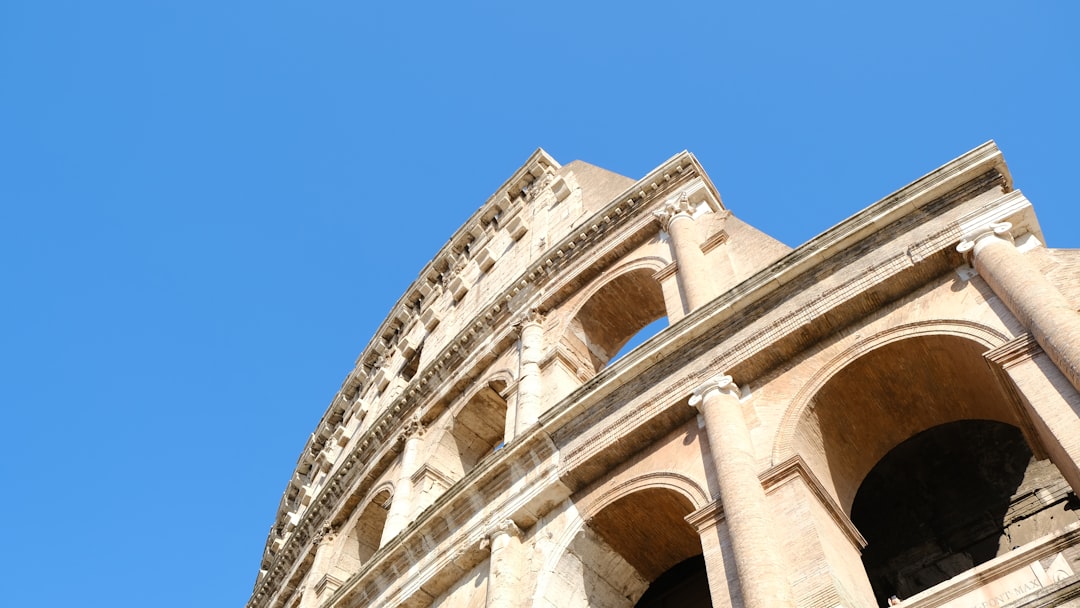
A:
(206, 208)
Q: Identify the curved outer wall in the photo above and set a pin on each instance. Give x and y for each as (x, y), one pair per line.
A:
(488, 450)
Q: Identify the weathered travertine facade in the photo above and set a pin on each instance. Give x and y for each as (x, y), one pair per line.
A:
(891, 408)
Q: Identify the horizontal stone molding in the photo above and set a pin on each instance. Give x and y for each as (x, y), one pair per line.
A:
(1014, 352)
(594, 244)
(984, 574)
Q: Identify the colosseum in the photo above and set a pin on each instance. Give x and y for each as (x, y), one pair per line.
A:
(884, 415)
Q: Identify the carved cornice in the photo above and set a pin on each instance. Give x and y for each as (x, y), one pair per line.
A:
(493, 317)
(489, 319)
(506, 201)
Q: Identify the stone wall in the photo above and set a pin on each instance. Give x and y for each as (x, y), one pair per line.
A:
(488, 450)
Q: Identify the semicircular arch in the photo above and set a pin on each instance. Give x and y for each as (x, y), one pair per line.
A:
(386, 487)
(610, 310)
(650, 263)
(666, 480)
(496, 381)
(783, 446)
(612, 549)
(882, 390)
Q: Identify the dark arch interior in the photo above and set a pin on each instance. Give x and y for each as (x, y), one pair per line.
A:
(685, 585)
(648, 530)
(951, 498)
(893, 393)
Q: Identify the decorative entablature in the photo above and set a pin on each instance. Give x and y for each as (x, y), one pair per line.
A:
(373, 366)
(442, 275)
(457, 363)
(824, 284)
(882, 253)
(921, 225)
(834, 277)
(918, 226)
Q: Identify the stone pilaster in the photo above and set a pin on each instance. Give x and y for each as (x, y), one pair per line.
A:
(400, 512)
(504, 574)
(320, 577)
(716, 549)
(677, 219)
(761, 571)
(1048, 399)
(1029, 295)
(531, 350)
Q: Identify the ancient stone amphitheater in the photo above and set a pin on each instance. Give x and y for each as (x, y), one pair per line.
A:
(886, 414)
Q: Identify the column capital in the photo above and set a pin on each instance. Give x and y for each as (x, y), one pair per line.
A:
(505, 526)
(996, 230)
(676, 207)
(721, 383)
(325, 534)
(532, 316)
(412, 428)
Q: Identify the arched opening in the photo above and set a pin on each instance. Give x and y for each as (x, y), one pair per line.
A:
(889, 395)
(478, 429)
(684, 585)
(920, 445)
(458, 441)
(613, 315)
(639, 542)
(649, 530)
(640, 337)
(951, 498)
(369, 526)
